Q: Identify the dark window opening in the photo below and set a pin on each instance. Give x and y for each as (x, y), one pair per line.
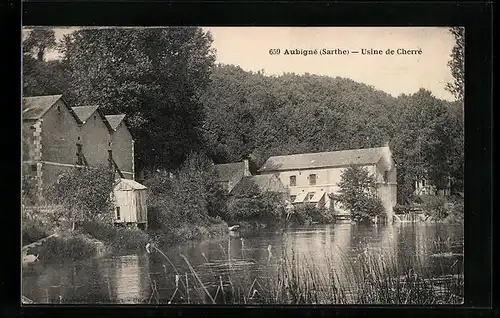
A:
(386, 176)
(293, 181)
(423, 183)
(310, 196)
(117, 212)
(312, 179)
(59, 109)
(33, 168)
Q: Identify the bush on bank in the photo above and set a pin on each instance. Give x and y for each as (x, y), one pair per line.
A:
(309, 213)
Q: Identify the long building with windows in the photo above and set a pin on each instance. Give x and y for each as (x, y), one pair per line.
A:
(314, 177)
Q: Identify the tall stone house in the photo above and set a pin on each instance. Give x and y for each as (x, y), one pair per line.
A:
(57, 137)
(314, 177)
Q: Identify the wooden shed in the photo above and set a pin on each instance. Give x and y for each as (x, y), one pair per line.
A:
(130, 203)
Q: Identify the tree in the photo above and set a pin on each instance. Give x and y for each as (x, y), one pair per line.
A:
(85, 193)
(153, 75)
(38, 41)
(188, 195)
(41, 77)
(358, 194)
(456, 64)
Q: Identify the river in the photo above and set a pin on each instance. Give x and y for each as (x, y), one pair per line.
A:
(242, 257)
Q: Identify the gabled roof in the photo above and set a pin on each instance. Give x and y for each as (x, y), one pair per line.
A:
(115, 120)
(35, 107)
(128, 185)
(226, 171)
(84, 112)
(325, 159)
(264, 183)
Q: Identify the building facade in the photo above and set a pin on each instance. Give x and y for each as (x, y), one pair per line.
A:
(57, 138)
(230, 174)
(314, 177)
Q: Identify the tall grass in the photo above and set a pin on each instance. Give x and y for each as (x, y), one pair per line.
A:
(374, 277)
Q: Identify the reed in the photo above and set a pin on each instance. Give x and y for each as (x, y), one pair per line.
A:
(374, 277)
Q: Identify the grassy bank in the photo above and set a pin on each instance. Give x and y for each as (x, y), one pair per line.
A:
(186, 232)
(372, 278)
(89, 240)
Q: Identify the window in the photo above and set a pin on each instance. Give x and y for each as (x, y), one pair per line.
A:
(386, 176)
(312, 179)
(293, 181)
(117, 212)
(292, 198)
(310, 195)
(33, 168)
(423, 183)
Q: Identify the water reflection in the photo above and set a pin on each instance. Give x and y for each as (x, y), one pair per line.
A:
(242, 258)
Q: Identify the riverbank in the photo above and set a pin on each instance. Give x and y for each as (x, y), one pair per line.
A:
(359, 258)
(97, 239)
(374, 277)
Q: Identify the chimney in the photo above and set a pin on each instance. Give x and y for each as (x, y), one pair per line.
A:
(247, 168)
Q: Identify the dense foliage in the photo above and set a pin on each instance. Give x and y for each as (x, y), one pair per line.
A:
(190, 195)
(309, 213)
(264, 207)
(358, 194)
(457, 64)
(177, 102)
(84, 193)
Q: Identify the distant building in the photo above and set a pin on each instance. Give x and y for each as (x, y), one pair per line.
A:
(425, 187)
(56, 138)
(230, 174)
(314, 177)
(260, 183)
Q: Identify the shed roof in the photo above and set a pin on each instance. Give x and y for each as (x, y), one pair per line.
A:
(128, 185)
(35, 107)
(115, 120)
(325, 159)
(84, 112)
(226, 171)
(263, 182)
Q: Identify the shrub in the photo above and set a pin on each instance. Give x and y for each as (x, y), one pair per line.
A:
(309, 213)
(358, 194)
(265, 207)
(84, 193)
(190, 195)
(118, 238)
(33, 230)
(77, 246)
(435, 206)
(456, 214)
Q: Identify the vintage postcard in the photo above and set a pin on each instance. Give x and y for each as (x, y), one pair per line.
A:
(243, 165)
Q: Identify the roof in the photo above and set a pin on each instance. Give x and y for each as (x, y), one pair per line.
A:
(226, 171)
(317, 196)
(84, 112)
(263, 182)
(114, 120)
(325, 159)
(35, 107)
(128, 185)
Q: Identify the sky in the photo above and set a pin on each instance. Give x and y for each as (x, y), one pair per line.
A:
(249, 48)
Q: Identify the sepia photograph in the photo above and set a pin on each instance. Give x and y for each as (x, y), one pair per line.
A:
(242, 165)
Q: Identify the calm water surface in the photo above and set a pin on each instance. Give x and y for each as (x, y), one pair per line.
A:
(245, 256)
